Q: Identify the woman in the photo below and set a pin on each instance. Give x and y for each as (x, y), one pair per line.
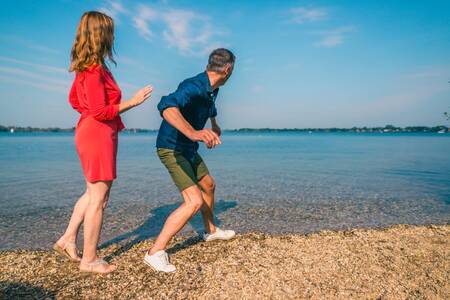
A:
(96, 96)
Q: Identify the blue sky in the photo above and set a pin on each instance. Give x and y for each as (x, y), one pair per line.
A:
(299, 63)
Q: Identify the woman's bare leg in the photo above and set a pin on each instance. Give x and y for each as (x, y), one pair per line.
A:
(71, 233)
(93, 218)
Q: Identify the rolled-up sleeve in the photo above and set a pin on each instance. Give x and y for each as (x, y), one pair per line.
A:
(96, 96)
(180, 98)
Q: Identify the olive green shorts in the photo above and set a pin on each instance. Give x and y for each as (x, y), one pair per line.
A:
(184, 173)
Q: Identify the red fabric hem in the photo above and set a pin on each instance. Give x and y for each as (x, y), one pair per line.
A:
(97, 179)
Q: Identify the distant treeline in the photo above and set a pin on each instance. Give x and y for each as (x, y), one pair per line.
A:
(57, 129)
(387, 128)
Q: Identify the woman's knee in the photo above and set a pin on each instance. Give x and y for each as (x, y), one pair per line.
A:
(98, 202)
(99, 193)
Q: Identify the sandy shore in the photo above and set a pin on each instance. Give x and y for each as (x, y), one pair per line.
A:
(399, 262)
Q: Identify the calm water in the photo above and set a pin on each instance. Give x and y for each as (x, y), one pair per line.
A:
(265, 182)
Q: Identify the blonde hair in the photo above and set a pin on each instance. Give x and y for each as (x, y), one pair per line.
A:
(94, 41)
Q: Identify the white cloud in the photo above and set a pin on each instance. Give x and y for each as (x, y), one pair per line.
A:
(114, 9)
(302, 15)
(142, 19)
(28, 44)
(40, 85)
(35, 79)
(189, 32)
(40, 67)
(332, 38)
(329, 38)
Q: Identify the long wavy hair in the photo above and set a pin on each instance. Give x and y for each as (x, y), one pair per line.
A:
(94, 41)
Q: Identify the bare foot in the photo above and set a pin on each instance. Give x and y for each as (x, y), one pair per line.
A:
(98, 266)
(67, 249)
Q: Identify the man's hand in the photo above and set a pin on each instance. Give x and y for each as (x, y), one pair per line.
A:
(176, 119)
(207, 136)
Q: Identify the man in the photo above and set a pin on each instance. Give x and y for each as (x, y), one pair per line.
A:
(185, 113)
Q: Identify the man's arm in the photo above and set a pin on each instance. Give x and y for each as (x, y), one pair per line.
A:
(176, 119)
(215, 126)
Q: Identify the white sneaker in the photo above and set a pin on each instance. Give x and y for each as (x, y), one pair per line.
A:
(159, 262)
(219, 235)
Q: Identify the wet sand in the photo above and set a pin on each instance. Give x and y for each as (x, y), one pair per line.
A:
(399, 262)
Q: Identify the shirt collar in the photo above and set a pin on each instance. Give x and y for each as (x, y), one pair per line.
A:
(205, 79)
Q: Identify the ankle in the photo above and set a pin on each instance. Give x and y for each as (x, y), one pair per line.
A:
(153, 251)
(68, 239)
(85, 261)
(211, 229)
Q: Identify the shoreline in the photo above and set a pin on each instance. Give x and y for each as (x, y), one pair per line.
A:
(191, 233)
(360, 129)
(396, 262)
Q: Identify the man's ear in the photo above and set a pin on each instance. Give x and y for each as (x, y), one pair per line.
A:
(227, 69)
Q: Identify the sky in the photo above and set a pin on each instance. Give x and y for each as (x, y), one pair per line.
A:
(299, 63)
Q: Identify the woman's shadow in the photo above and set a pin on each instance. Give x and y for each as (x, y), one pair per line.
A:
(21, 290)
(153, 225)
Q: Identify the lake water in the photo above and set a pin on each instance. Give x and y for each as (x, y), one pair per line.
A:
(271, 182)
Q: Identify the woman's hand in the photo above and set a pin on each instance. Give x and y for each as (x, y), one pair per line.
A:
(142, 95)
(138, 98)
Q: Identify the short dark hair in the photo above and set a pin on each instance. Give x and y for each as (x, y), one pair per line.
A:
(219, 58)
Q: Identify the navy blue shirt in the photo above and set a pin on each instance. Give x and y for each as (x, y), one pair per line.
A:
(195, 99)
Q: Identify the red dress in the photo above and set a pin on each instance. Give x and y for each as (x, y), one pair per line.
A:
(96, 96)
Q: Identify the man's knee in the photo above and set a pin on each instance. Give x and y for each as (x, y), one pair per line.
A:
(193, 198)
(208, 184)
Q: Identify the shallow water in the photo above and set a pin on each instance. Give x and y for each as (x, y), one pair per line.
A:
(271, 182)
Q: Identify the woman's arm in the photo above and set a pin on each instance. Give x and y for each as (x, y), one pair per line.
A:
(142, 95)
(95, 92)
(94, 85)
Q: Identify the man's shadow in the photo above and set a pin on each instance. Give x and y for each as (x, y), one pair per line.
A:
(153, 225)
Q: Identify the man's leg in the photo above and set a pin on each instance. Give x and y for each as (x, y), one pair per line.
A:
(193, 202)
(208, 187)
(183, 175)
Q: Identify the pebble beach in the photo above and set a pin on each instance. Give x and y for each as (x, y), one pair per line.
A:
(397, 262)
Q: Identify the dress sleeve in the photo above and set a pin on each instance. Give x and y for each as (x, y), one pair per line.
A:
(73, 98)
(180, 98)
(96, 96)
